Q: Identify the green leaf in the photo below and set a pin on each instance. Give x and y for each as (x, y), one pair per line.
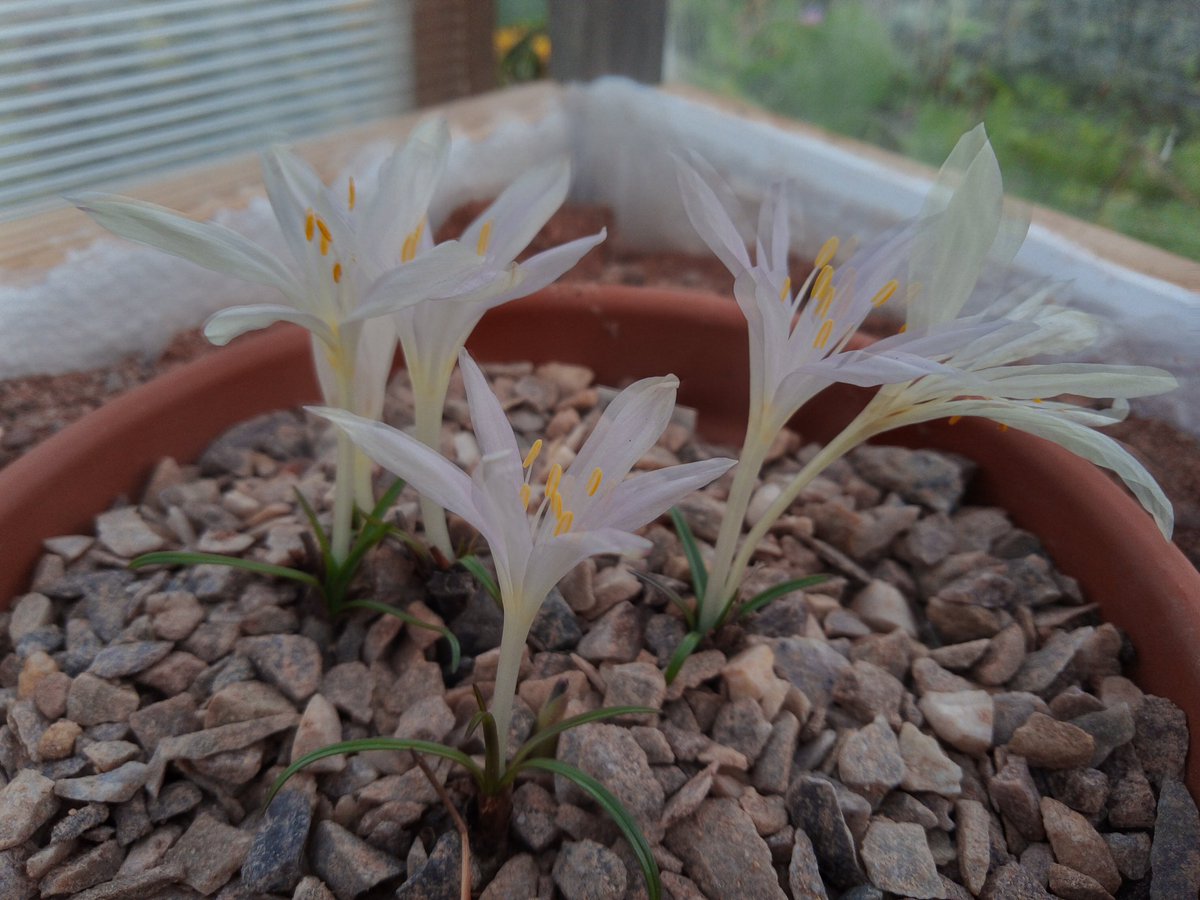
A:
(358, 746)
(311, 515)
(530, 747)
(670, 593)
(761, 599)
(187, 558)
(409, 619)
(612, 806)
(480, 573)
(682, 652)
(692, 550)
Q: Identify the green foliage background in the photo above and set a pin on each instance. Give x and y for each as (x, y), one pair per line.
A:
(1093, 105)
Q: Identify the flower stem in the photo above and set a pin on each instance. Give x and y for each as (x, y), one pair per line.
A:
(512, 645)
(429, 400)
(345, 474)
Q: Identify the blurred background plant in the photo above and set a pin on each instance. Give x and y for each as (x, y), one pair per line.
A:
(521, 42)
(1093, 105)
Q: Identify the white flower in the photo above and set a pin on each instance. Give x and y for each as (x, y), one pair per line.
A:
(798, 333)
(432, 333)
(537, 535)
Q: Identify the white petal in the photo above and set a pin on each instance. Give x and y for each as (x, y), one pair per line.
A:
(643, 498)
(204, 243)
(713, 212)
(406, 182)
(1084, 379)
(373, 366)
(540, 270)
(628, 428)
(489, 421)
(426, 470)
(293, 189)
(553, 559)
(520, 211)
(227, 324)
(441, 272)
(957, 232)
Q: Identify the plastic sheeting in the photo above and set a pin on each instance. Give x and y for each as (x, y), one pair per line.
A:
(115, 298)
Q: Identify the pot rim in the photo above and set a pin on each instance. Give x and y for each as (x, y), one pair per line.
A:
(1142, 582)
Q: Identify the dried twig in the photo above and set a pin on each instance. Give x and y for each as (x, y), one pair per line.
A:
(465, 882)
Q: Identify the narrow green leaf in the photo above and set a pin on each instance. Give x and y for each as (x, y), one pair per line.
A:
(761, 599)
(409, 619)
(530, 747)
(187, 558)
(480, 573)
(358, 746)
(311, 515)
(682, 652)
(670, 593)
(692, 550)
(612, 806)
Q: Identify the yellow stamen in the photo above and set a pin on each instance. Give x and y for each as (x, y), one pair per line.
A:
(825, 299)
(824, 276)
(1003, 428)
(826, 253)
(553, 479)
(337, 273)
(565, 521)
(324, 245)
(1038, 400)
(903, 328)
(824, 334)
(526, 492)
(324, 229)
(532, 454)
(786, 291)
(310, 224)
(593, 484)
(409, 250)
(556, 506)
(885, 293)
(351, 192)
(485, 235)
(954, 420)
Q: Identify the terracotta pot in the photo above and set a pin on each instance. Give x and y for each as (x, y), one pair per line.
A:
(1091, 528)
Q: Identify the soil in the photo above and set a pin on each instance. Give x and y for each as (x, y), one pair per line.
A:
(33, 408)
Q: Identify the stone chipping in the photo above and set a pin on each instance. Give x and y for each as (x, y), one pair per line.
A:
(943, 717)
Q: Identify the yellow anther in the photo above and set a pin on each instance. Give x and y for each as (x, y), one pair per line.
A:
(786, 290)
(532, 454)
(954, 420)
(1038, 400)
(325, 245)
(885, 293)
(553, 479)
(903, 328)
(337, 273)
(409, 250)
(1003, 428)
(351, 192)
(310, 224)
(826, 253)
(324, 229)
(485, 235)
(824, 334)
(565, 521)
(824, 276)
(825, 300)
(526, 493)
(593, 484)
(556, 505)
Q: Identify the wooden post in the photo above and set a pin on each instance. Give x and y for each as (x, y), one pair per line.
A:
(452, 48)
(590, 38)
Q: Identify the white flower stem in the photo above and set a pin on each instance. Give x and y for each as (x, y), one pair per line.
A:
(429, 400)
(849, 438)
(745, 478)
(512, 646)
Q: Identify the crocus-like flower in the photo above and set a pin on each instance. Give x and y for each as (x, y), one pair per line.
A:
(342, 260)
(799, 334)
(985, 376)
(431, 334)
(538, 534)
